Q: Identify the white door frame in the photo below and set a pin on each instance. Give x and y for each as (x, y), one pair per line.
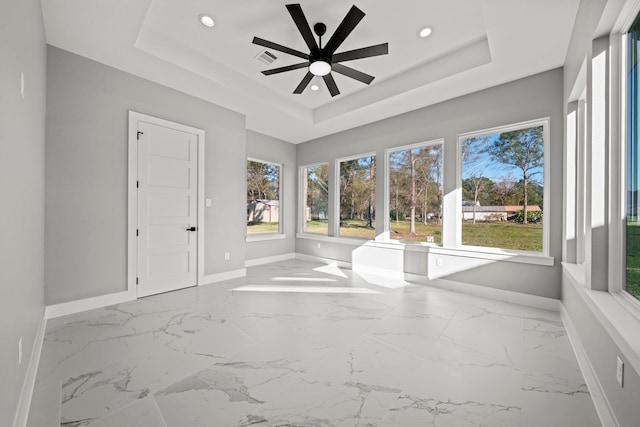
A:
(132, 241)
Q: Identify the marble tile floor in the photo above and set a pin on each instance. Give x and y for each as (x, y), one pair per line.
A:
(301, 344)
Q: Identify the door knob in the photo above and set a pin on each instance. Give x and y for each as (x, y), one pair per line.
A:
(191, 229)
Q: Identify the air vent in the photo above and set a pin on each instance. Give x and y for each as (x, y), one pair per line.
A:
(266, 57)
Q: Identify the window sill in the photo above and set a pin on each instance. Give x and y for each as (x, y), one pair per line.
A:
(333, 239)
(468, 251)
(620, 318)
(264, 237)
(521, 257)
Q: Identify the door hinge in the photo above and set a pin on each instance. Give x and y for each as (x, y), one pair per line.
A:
(138, 135)
(137, 231)
(136, 280)
(137, 184)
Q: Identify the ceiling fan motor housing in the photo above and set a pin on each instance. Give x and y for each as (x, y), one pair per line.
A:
(320, 29)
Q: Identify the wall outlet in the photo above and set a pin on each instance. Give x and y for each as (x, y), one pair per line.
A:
(20, 351)
(439, 262)
(319, 245)
(620, 372)
(208, 203)
(227, 256)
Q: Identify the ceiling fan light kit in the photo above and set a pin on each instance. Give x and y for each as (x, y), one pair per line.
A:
(322, 61)
(320, 68)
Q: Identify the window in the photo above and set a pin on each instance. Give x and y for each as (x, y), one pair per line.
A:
(315, 193)
(263, 197)
(502, 178)
(633, 163)
(358, 197)
(415, 193)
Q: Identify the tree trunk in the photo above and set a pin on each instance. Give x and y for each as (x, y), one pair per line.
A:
(412, 172)
(524, 216)
(397, 220)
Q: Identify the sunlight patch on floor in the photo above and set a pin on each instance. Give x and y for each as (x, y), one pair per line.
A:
(305, 289)
(331, 269)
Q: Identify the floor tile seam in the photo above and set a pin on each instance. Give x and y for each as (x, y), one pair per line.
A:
(131, 403)
(478, 351)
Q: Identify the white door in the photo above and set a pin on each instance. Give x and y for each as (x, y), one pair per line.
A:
(167, 209)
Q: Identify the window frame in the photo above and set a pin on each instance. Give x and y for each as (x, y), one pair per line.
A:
(619, 51)
(302, 176)
(545, 122)
(335, 231)
(386, 210)
(257, 237)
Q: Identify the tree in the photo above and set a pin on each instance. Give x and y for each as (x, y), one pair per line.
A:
(262, 181)
(317, 190)
(523, 149)
(474, 162)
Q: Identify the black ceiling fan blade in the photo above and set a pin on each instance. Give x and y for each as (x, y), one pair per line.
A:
(284, 69)
(354, 16)
(279, 47)
(295, 10)
(365, 52)
(354, 74)
(331, 84)
(304, 83)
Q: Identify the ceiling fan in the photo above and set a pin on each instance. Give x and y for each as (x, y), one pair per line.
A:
(321, 61)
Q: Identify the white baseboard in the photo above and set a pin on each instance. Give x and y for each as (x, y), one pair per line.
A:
(219, 277)
(71, 307)
(498, 294)
(603, 408)
(22, 412)
(269, 260)
(328, 261)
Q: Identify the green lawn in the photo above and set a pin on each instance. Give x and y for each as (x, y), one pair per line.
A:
(262, 227)
(318, 227)
(633, 258)
(505, 235)
(357, 228)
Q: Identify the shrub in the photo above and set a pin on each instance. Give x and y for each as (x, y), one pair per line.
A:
(532, 216)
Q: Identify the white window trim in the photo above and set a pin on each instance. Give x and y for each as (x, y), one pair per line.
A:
(336, 194)
(280, 234)
(386, 209)
(302, 176)
(618, 153)
(261, 237)
(545, 123)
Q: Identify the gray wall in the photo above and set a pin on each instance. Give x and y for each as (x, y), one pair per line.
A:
(86, 174)
(22, 136)
(263, 147)
(600, 348)
(534, 97)
(602, 351)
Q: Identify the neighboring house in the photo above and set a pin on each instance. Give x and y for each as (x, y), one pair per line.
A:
(493, 213)
(261, 210)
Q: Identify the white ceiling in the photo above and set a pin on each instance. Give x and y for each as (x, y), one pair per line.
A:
(475, 44)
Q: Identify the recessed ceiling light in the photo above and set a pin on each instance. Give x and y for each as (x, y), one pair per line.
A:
(425, 32)
(206, 20)
(315, 87)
